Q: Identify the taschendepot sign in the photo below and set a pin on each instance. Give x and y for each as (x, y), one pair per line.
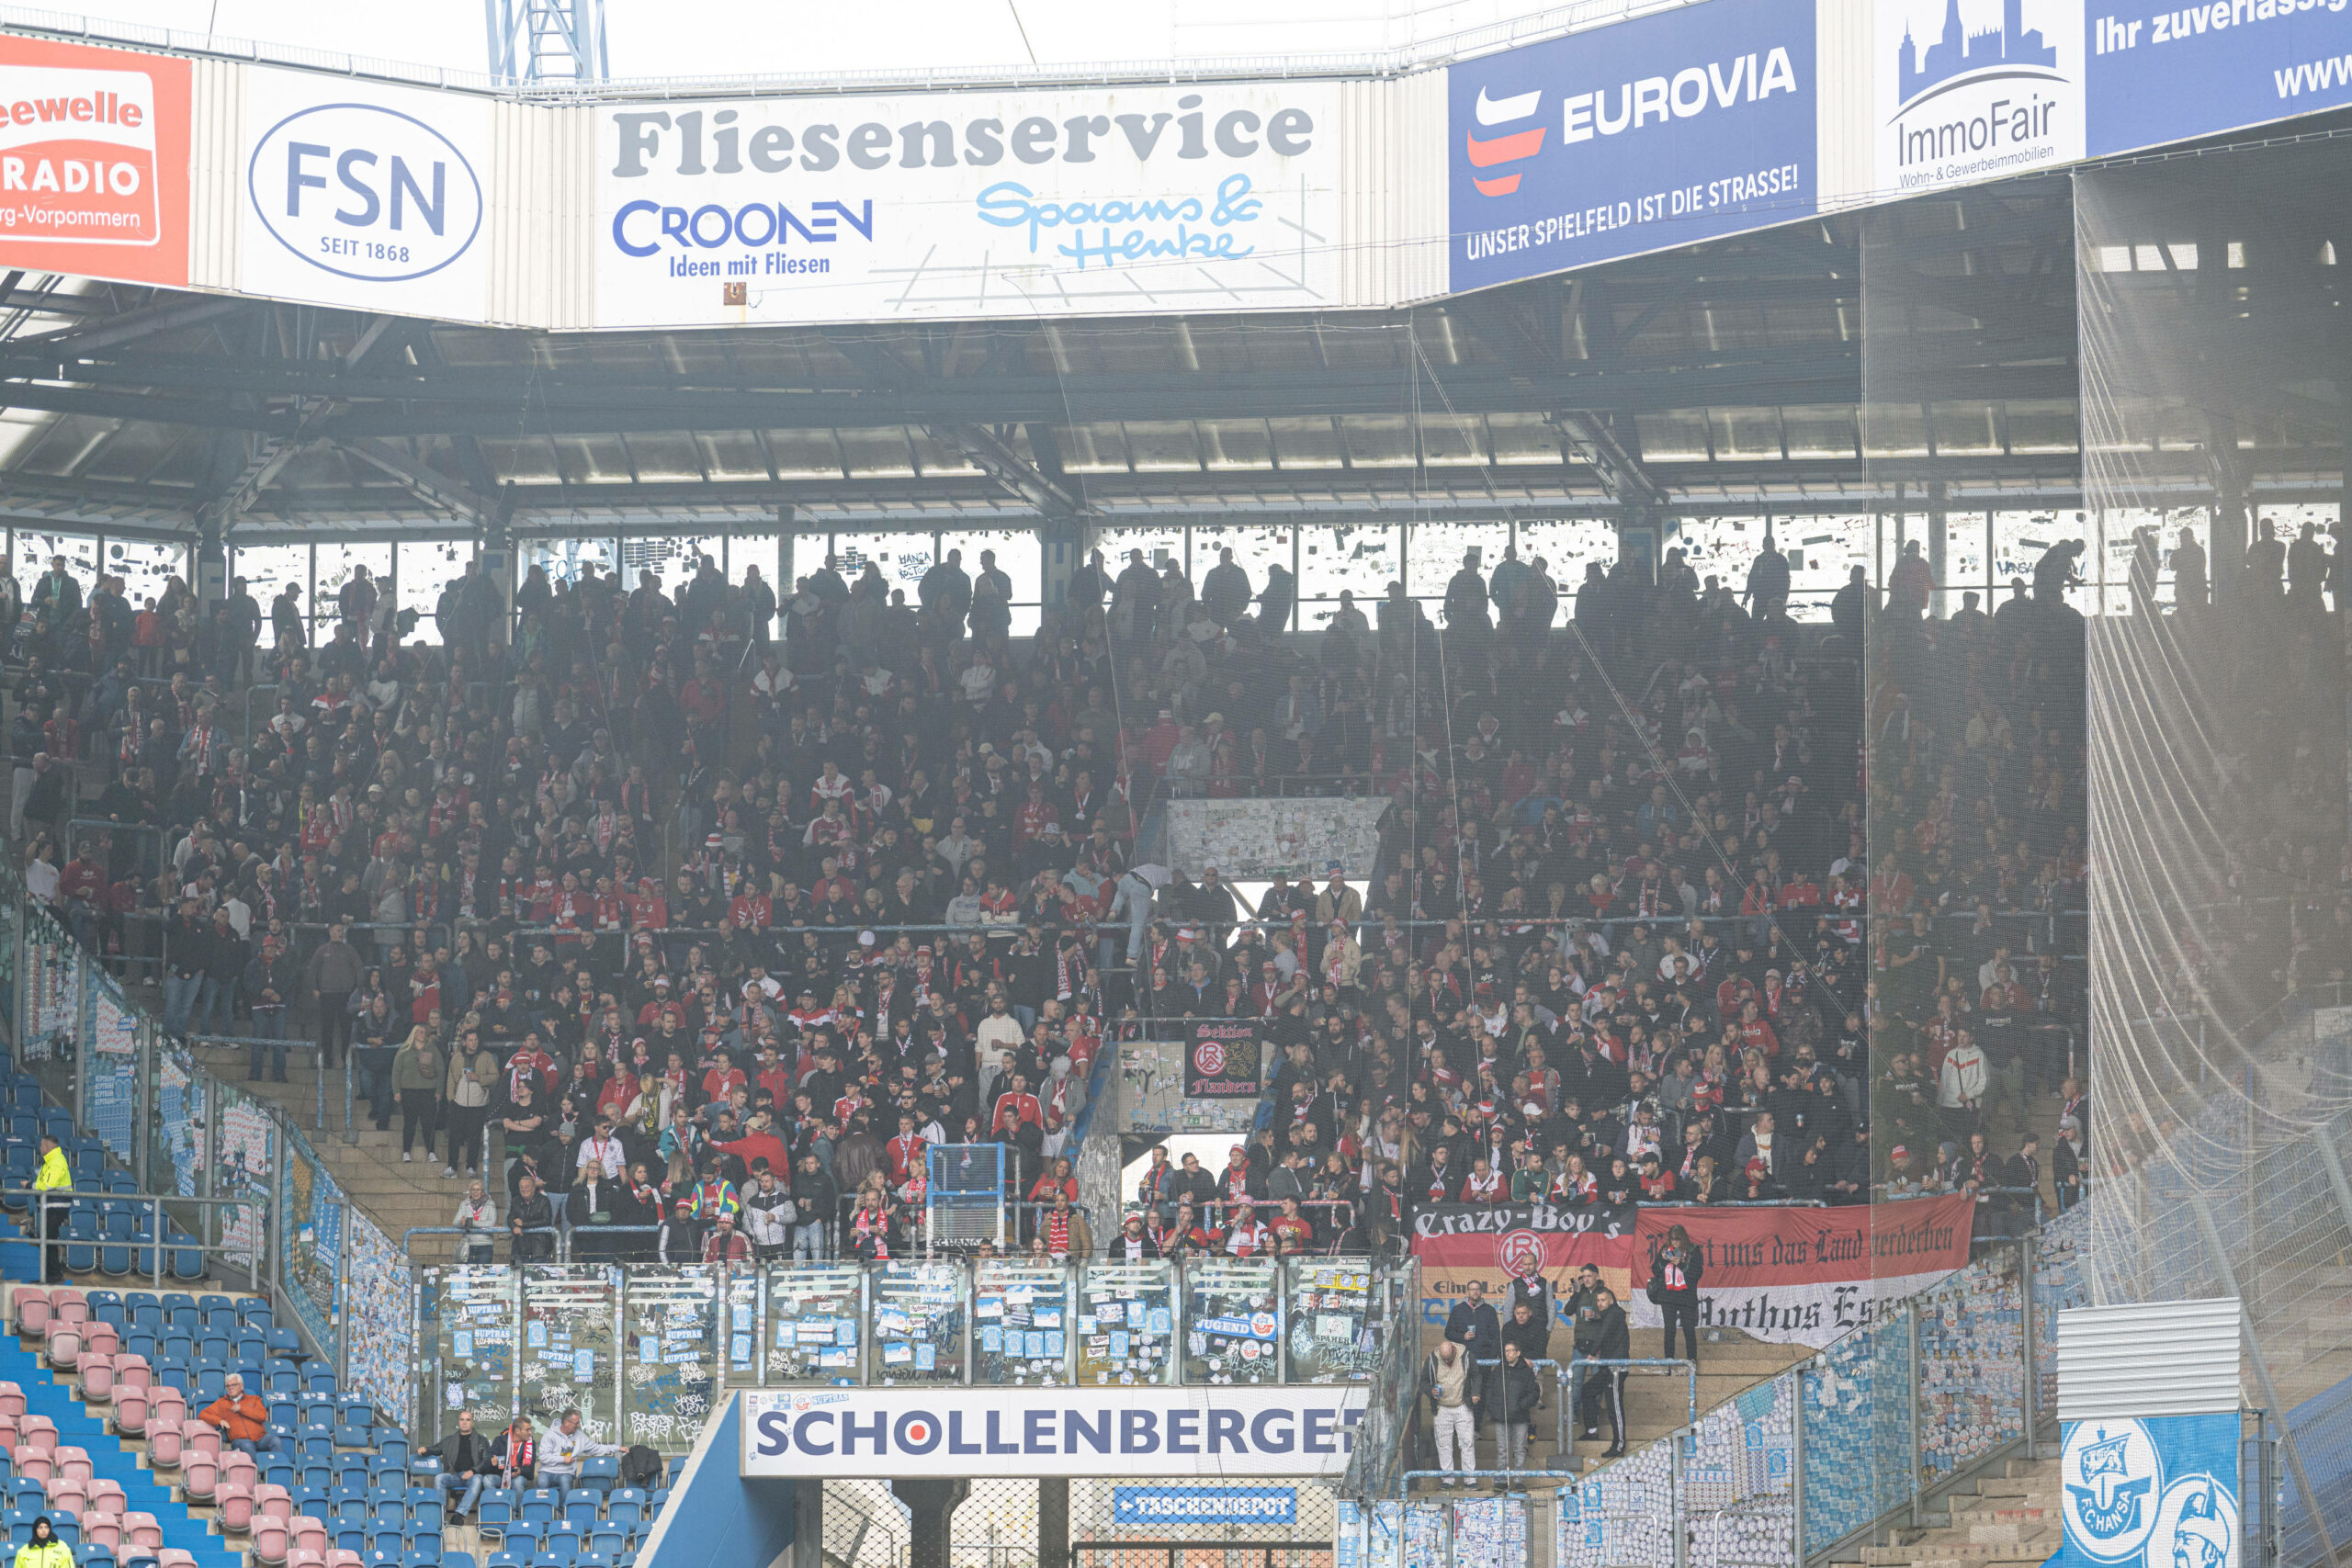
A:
(1160, 1432)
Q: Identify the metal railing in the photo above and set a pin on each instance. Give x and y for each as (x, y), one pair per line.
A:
(138, 1245)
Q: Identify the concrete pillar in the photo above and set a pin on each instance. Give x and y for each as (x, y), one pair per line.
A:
(1053, 1522)
(1937, 607)
(933, 1504)
(808, 1524)
(211, 560)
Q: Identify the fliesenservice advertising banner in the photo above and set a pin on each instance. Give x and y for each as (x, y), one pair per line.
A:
(1074, 202)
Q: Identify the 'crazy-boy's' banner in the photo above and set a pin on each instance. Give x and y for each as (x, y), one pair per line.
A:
(1664, 130)
(2161, 1491)
(1806, 1276)
(1507, 1249)
(1076, 202)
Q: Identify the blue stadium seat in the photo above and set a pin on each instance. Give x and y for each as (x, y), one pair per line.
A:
(580, 1506)
(425, 1541)
(320, 1380)
(352, 1410)
(523, 1535)
(565, 1536)
(600, 1472)
(505, 1559)
(425, 1505)
(350, 1469)
(624, 1505)
(459, 1559)
(318, 1440)
(351, 1437)
(390, 1445)
(385, 1544)
(609, 1540)
(81, 1241)
(212, 1382)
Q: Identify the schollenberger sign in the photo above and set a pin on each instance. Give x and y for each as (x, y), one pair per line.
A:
(1970, 90)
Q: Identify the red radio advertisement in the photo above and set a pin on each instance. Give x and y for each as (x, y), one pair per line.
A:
(94, 161)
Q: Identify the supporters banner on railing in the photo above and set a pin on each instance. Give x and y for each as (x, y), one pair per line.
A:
(247, 1159)
(1152, 1099)
(110, 1064)
(311, 1237)
(1806, 1276)
(1221, 1059)
(379, 1326)
(1508, 1250)
(1250, 839)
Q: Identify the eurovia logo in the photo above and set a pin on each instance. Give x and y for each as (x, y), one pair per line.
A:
(2158, 1493)
(1976, 89)
(1509, 147)
(365, 192)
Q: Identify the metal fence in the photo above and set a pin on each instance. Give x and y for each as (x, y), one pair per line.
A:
(1870, 1434)
(2236, 1199)
(196, 1140)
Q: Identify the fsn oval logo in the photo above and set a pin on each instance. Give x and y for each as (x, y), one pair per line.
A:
(365, 192)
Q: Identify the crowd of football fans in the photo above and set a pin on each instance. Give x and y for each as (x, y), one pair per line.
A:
(704, 913)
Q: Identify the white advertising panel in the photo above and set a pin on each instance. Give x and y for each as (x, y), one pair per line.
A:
(1210, 198)
(366, 196)
(1971, 90)
(1112, 1431)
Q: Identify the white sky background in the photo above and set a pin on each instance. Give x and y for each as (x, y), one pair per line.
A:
(694, 37)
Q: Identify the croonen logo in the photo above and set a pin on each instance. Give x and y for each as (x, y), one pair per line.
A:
(1522, 1255)
(1510, 147)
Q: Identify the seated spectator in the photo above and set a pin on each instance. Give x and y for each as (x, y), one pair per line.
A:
(241, 1419)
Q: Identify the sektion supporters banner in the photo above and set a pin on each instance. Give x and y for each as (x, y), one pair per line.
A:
(1806, 1276)
(1121, 1432)
(94, 154)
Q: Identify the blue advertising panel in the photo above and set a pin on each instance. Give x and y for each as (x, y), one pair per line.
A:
(2156, 1493)
(1685, 126)
(2160, 72)
(1204, 1504)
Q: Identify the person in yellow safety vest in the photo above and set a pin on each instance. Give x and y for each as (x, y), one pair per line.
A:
(54, 1176)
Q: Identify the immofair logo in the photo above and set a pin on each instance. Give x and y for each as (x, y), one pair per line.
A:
(1522, 1255)
(1512, 147)
(1978, 90)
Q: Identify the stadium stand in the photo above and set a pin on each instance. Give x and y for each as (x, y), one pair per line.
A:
(751, 894)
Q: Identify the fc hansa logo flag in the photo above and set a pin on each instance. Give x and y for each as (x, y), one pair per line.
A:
(94, 161)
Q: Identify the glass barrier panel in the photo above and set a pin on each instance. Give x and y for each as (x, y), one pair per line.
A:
(670, 1320)
(1020, 1313)
(1126, 1322)
(1971, 1364)
(814, 1310)
(1233, 1320)
(570, 1326)
(918, 1322)
(742, 1365)
(469, 1327)
(1331, 1338)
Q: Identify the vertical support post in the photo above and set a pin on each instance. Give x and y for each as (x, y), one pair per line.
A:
(1679, 1460)
(1937, 608)
(1911, 1394)
(1053, 1520)
(932, 1503)
(2028, 1248)
(807, 1524)
(1796, 1463)
(2334, 1164)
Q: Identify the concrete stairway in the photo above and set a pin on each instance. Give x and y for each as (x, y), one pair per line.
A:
(396, 1195)
(2010, 1520)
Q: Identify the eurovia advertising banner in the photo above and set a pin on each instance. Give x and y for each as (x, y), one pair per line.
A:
(1805, 1276)
(94, 161)
(1970, 90)
(1214, 197)
(2161, 1491)
(1115, 1431)
(365, 196)
(1661, 131)
(2161, 72)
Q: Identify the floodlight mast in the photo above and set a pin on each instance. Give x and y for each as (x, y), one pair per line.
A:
(547, 41)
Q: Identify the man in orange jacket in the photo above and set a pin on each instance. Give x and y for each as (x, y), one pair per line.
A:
(243, 1418)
